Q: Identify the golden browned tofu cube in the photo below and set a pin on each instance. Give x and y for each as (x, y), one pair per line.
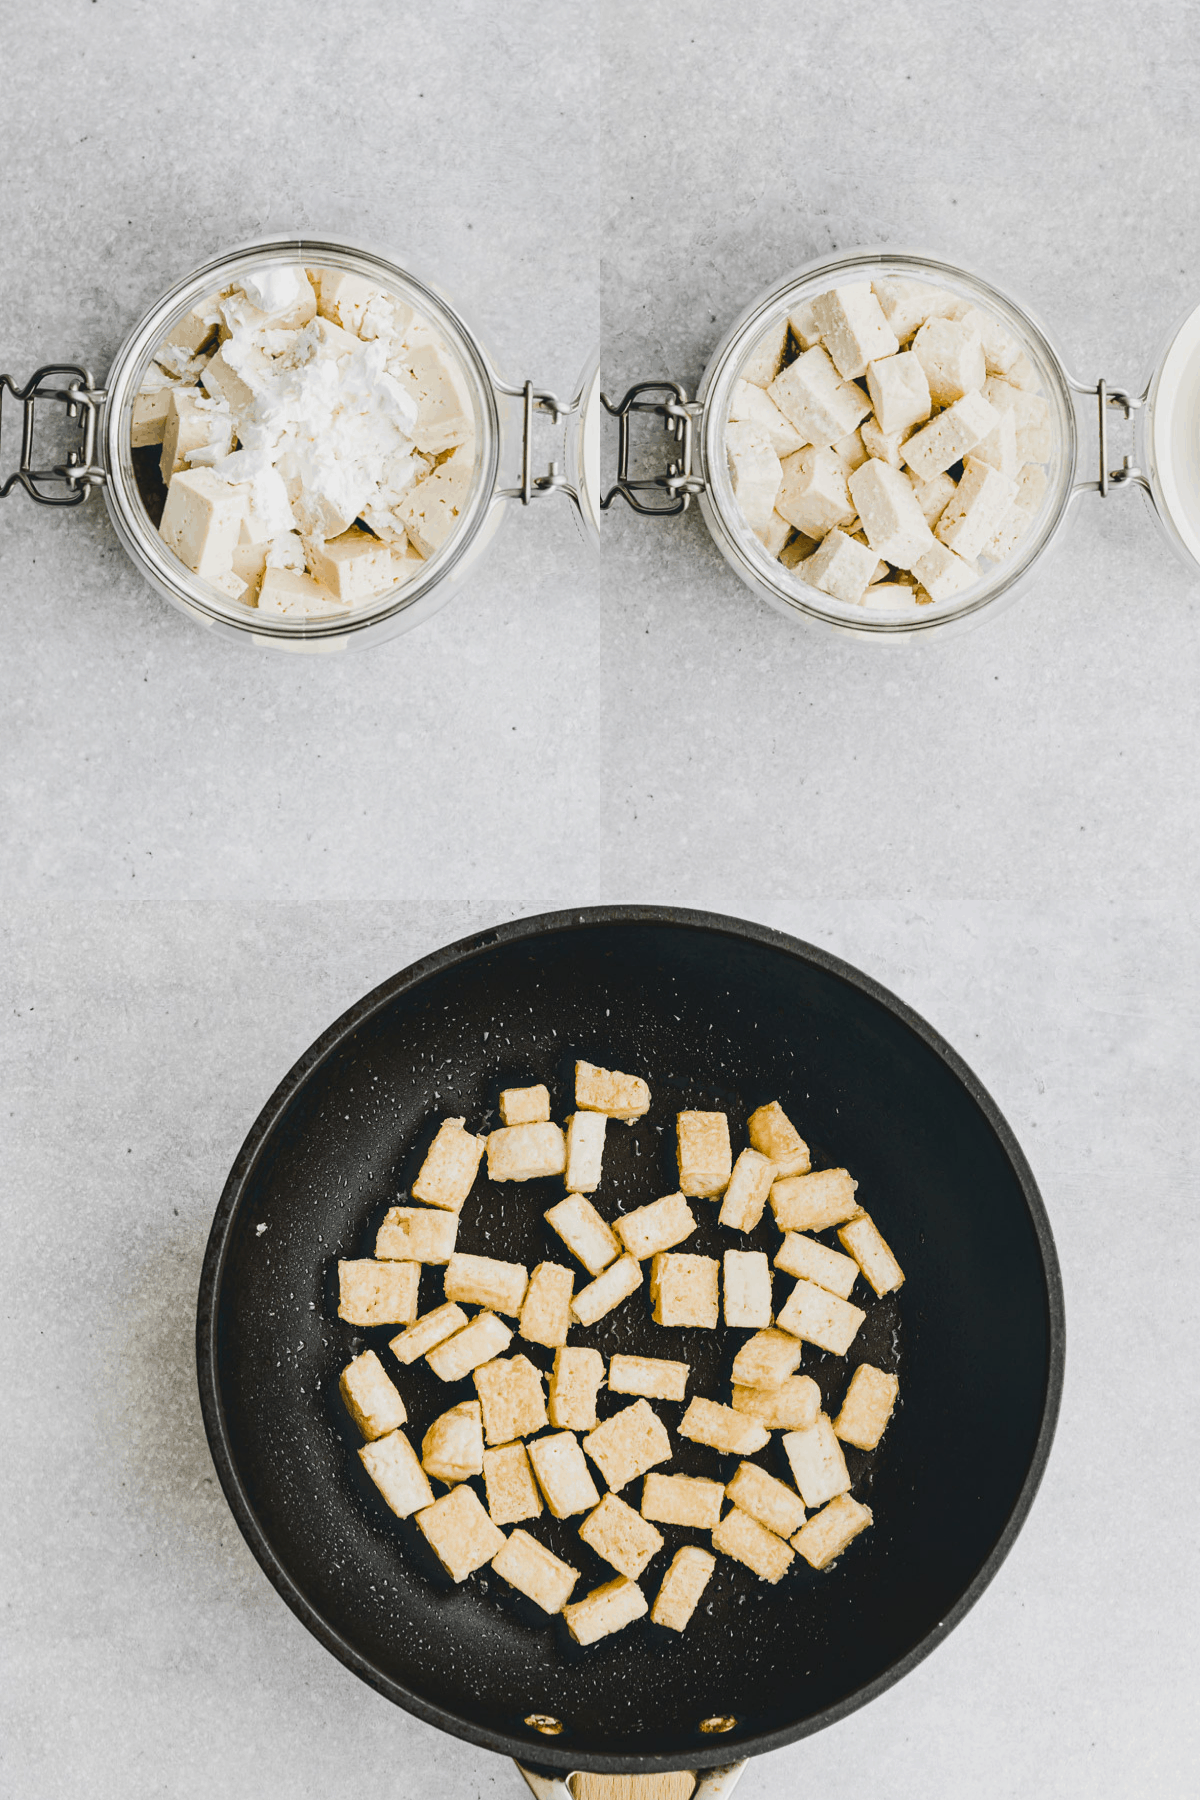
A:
(459, 1532)
(430, 1329)
(607, 1291)
(682, 1500)
(720, 1427)
(416, 1234)
(748, 1542)
(584, 1233)
(535, 1571)
(378, 1293)
(813, 1202)
(512, 1493)
(605, 1610)
(486, 1336)
(771, 1502)
(861, 1237)
(773, 1135)
(652, 1376)
(800, 1255)
(705, 1156)
(649, 1229)
(817, 1464)
(392, 1464)
(585, 1151)
(562, 1474)
(683, 1584)
(546, 1308)
(819, 1317)
(450, 1167)
(746, 1195)
(824, 1537)
(747, 1288)
(685, 1290)
(526, 1152)
(867, 1407)
(767, 1359)
(452, 1448)
(510, 1392)
(525, 1106)
(573, 1388)
(792, 1406)
(483, 1281)
(628, 1444)
(624, 1097)
(621, 1536)
(371, 1397)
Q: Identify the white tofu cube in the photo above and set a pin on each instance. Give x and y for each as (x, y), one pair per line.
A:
(822, 407)
(416, 1234)
(774, 534)
(742, 1537)
(445, 416)
(803, 326)
(201, 518)
(682, 1500)
(817, 1464)
(907, 304)
(747, 1289)
(431, 508)
(622, 1278)
(899, 392)
(1008, 533)
(353, 567)
(149, 419)
(684, 1289)
(546, 1309)
(450, 1167)
(1000, 349)
(755, 471)
(722, 1428)
(290, 595)
(574, 1385)
(800, 1255)
(377, 1293)
(841, 566)
(853, 328)
(867, 1407)
(820, 1318)
(1023, 374)
(932, 496)
(851, 449)
(512, 1493)
(999, 447)
(814, 1202)
(1031, 413)
(977, 510)
(585, 1151)
(822, 1540)
(486, 1336)
(792, 1406)
(584, 1232)
(510, 1393)
(192, 423)
(371, 1396)
(942, 573)
(746, 1196)
(627, 1444)
(1031, 487)
(891, 595)
(526, 1152)
(621, 1536)
(525, 1105)
(751, 405)
(703, 1152)
(425, 1333)
(452, 1448)
(392, 1464)
(813, 495)
(535, 1571)
(562, 1474)
(654, 1376)
(952, 357)
(682, 1587)
(624, 1097)
(948, 436)
(459, 1532)
(484, 1281)
(891, 518)
(762, 364)
(774, 1136)
(647, 1230)
(884, 446)
(606, 1609)
(771, 1502)
(767, 1359)
(862, 1238)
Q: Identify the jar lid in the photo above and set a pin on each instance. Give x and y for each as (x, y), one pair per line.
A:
(1172, 438)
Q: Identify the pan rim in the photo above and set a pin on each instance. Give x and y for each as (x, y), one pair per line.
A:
(545, 1753)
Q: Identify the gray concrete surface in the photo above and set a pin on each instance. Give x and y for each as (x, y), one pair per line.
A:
(210, 853)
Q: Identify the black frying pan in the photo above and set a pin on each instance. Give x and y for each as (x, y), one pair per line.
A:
(715, 1013)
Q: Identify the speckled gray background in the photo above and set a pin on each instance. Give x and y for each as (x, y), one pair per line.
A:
(211, 852)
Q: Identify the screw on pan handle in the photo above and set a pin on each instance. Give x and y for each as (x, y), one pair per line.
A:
(69, 483)
(679, 419)
(711, 1784)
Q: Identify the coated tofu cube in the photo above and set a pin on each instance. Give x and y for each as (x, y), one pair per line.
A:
(585, 1151)
(535, 1571)
(890, 515)
(814, 1202)
(585, 1233)
(684, 1289)
(546, 1308)
(201, 518)
(1008, 533)
(841, 567)
(999, 447)
(747, 1288)
(885, 446)
(628, 1444)
(942, 573)
(899, 392)
(771, 1502)
(485, 1337)
(682, 1500)
(862, 1238)
(1032, 416)
(683, 1584)
(774, 534)
(483, 1281)
(652, 1376)
(742, 1537)
(978, 508)
(353, 566)
(853, 328)
(416, 1234)
(525, 1106)
(235, 386)
(345, 298)
(605, 1610)
(705, 1158)
(803, 326)
(767, 1359)
(574, 1385)
(824, 1538)
(792, 1406)
(721, 1428)
(191, 422)
(648, 1230)
(749, 404)
(933, 496)
(813, 495)
(907, 304)
(948, 436)
(952, 357)
(526, 1152)
(624, 1097)
(607, 1291)
(378, 1293)
(888, 595)
(510, 1393)
(800, 1255)
(562, 1474)
(621, 1536)
(450, 1167)
(762, 364)
(810, 1312)
(821, 406)
(430, 509)
(817, 1464)
(774, 1136)
(290, 595)
(445, 416)
(746, 1195)
(851, 449)
(392, 1464)
(754, 471)
(190, 333)
(867, 1407)
(431, 1329)
(459, 1532)
(371, 1397)
(1000, 349)
(452, 1448)
(512, 1493)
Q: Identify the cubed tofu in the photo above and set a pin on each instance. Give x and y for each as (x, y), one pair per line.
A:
(585, 1151)
(942, 573)
(287, 594)
(574, 1385)
(885, 446)
(854, 329)
(416, 1234)
(371, 1397)
(841, 567)
(353, 566)
(485, 1337)
(526, 1152)
(774, 534)
(585, 1233)
(1008, 533)
(684, 1289)
(810, 393)
(817, 1464)
(650, 1229)
(1031, 412)
(721, 1428)
(621, 1536)
(774, 1136)
(747, 1289)
(484, 1281)
(546, 1308)
(792, 1406)
(623, 1278)
(201, 518)
(431, 508)
(767, 1359)
(652, 1376)
(452, 1448)
(345, 298)
(814, 1202)
(378, 1293)
(771, 1502)
(149, 418)
(510, 1393)
(445, 416)
(742, 1537)
(803, 326)
(800, 1255)
(890, 515)
(235, 386)
(821, 1318)
(852, 450)
(746, 1196)
(450, 1167)
(950, 353)
(625, 1446)
(624, 1097)
(425, 1333)
(535, 1571)
(824, 1537)
(704, 1155)
(1000, 349)
(512, 1493)
(948, 436)
(907, 304)
(682, 1500)
(762, 364)
(754, 472)
(933, 496)
(813, 495)
(392, 1464)
(189, 334)
(862, 1238)
(980, 503)
(682, 1587)
(867, 1407)
(562, 1474)
(191, 422)
(605, 1610)
(899, 392)
(999, 447)
(459, 1532)
(750, 404)
(525, 1106)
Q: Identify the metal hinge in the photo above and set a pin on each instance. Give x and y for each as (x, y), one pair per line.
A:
(534, 487)
(679, 416)
(69, 483)
(1128, 474)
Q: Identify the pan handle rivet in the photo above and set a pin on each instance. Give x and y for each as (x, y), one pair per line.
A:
(548, 1726)
(718, 1722)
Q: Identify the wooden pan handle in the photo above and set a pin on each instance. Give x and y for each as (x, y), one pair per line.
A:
(676, 1785)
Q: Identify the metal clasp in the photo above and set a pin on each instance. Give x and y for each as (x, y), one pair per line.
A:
(1128, 474)
(679, 417)
(69, 483)
(533, 487)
